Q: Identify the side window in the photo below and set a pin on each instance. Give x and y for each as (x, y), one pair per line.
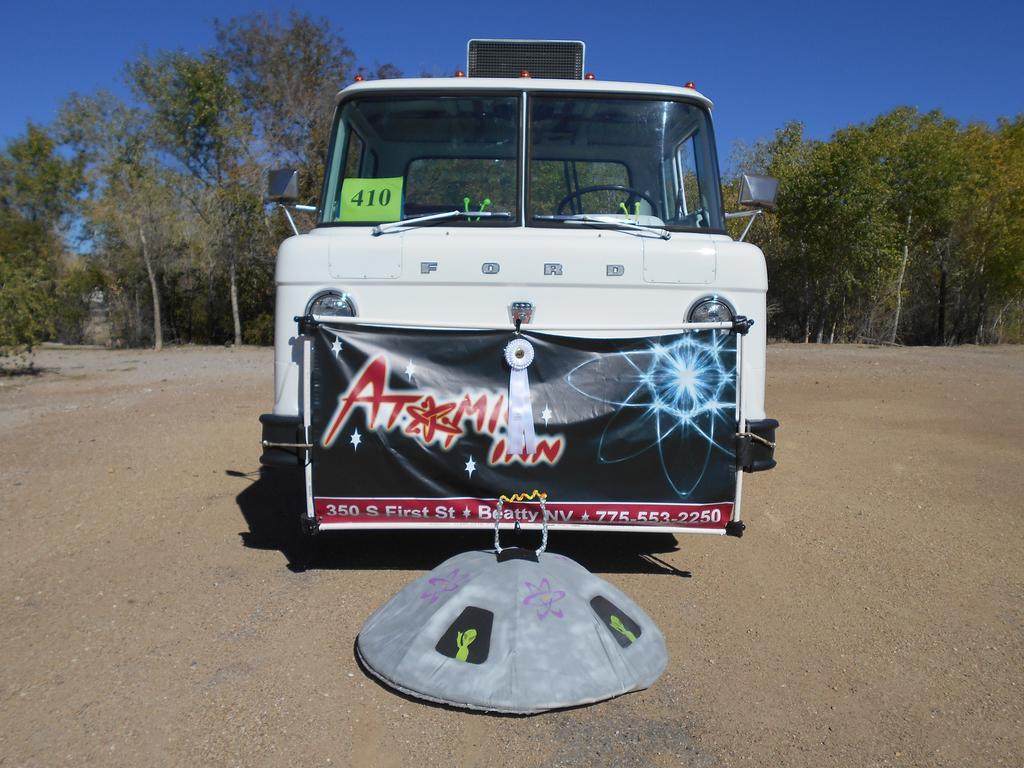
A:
(689, 191)
(670, 186)
(434, 185)
(354, 155)
(552, 181)
(358, 161)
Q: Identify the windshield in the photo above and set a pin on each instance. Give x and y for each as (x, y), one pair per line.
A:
(642, 161)
(402, 157)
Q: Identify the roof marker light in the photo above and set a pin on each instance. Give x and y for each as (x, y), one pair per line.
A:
(524, 73)
(691, 85)
(589, 76)
(459, 73)
(359, 78)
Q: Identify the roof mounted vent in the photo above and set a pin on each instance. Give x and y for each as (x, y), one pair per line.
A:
(554, 59)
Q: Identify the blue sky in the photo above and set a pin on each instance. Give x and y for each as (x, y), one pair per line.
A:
(827, 64)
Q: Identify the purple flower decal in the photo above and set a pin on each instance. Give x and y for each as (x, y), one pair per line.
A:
(544, 596)
(442, 584)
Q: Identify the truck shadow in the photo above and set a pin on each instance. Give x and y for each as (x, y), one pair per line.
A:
(272, 504)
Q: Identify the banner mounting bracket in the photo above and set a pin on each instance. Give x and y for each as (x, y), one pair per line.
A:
(307, 325)
(741, 324)
(735, 528)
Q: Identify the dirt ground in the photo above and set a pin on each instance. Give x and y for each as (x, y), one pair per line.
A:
(157, 607)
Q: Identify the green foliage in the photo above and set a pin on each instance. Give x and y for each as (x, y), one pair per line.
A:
(25, 243)
(37, 189)
(260, 330)
(287, 74)
(36, 183)
(903, 229)
(195, 113)
(26, 307)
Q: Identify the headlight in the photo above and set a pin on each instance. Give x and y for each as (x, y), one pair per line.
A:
(331, 304)
(711, 309)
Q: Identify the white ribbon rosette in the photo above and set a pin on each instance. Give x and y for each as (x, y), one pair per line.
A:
(521, 435)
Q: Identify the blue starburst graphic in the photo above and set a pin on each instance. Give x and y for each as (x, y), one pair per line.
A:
(680, 391)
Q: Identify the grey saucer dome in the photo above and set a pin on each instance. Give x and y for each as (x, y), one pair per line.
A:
(512, 632)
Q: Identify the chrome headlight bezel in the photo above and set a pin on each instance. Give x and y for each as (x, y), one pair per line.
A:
(711, 303)
(318, 305)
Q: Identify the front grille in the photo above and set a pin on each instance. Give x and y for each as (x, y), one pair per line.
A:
(555, 59)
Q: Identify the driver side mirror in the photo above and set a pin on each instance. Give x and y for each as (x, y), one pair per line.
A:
(283, 190)
(758, 191)
(283, 185)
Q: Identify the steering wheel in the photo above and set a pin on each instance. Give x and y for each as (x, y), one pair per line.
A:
(633, 193)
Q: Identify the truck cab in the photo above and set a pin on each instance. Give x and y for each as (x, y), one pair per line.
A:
(560, 204)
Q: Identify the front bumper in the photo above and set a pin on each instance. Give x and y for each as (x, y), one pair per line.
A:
(283, 441)
(755, 447)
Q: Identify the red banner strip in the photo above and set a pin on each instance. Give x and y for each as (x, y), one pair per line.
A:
(466, 510)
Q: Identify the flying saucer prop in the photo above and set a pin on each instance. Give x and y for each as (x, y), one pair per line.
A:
(512, 630)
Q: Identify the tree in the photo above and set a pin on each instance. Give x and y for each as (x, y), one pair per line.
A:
(288, 75)
(989, 239)
(905, 228)
(925, 174)
(132, 203)
(37, 193)
(198, 122)
(791, 284)
(36, 183)
(830, 245)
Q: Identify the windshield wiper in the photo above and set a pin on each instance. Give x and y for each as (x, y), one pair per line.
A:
(622, 224)
(417, 221)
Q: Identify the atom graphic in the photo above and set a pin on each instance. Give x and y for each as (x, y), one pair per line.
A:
(682, 389)
(543, 595)
(442, 584)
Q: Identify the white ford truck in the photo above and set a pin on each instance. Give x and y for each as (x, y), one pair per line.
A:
(520, 285)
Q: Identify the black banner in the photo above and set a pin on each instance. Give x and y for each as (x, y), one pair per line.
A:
(412, 426)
